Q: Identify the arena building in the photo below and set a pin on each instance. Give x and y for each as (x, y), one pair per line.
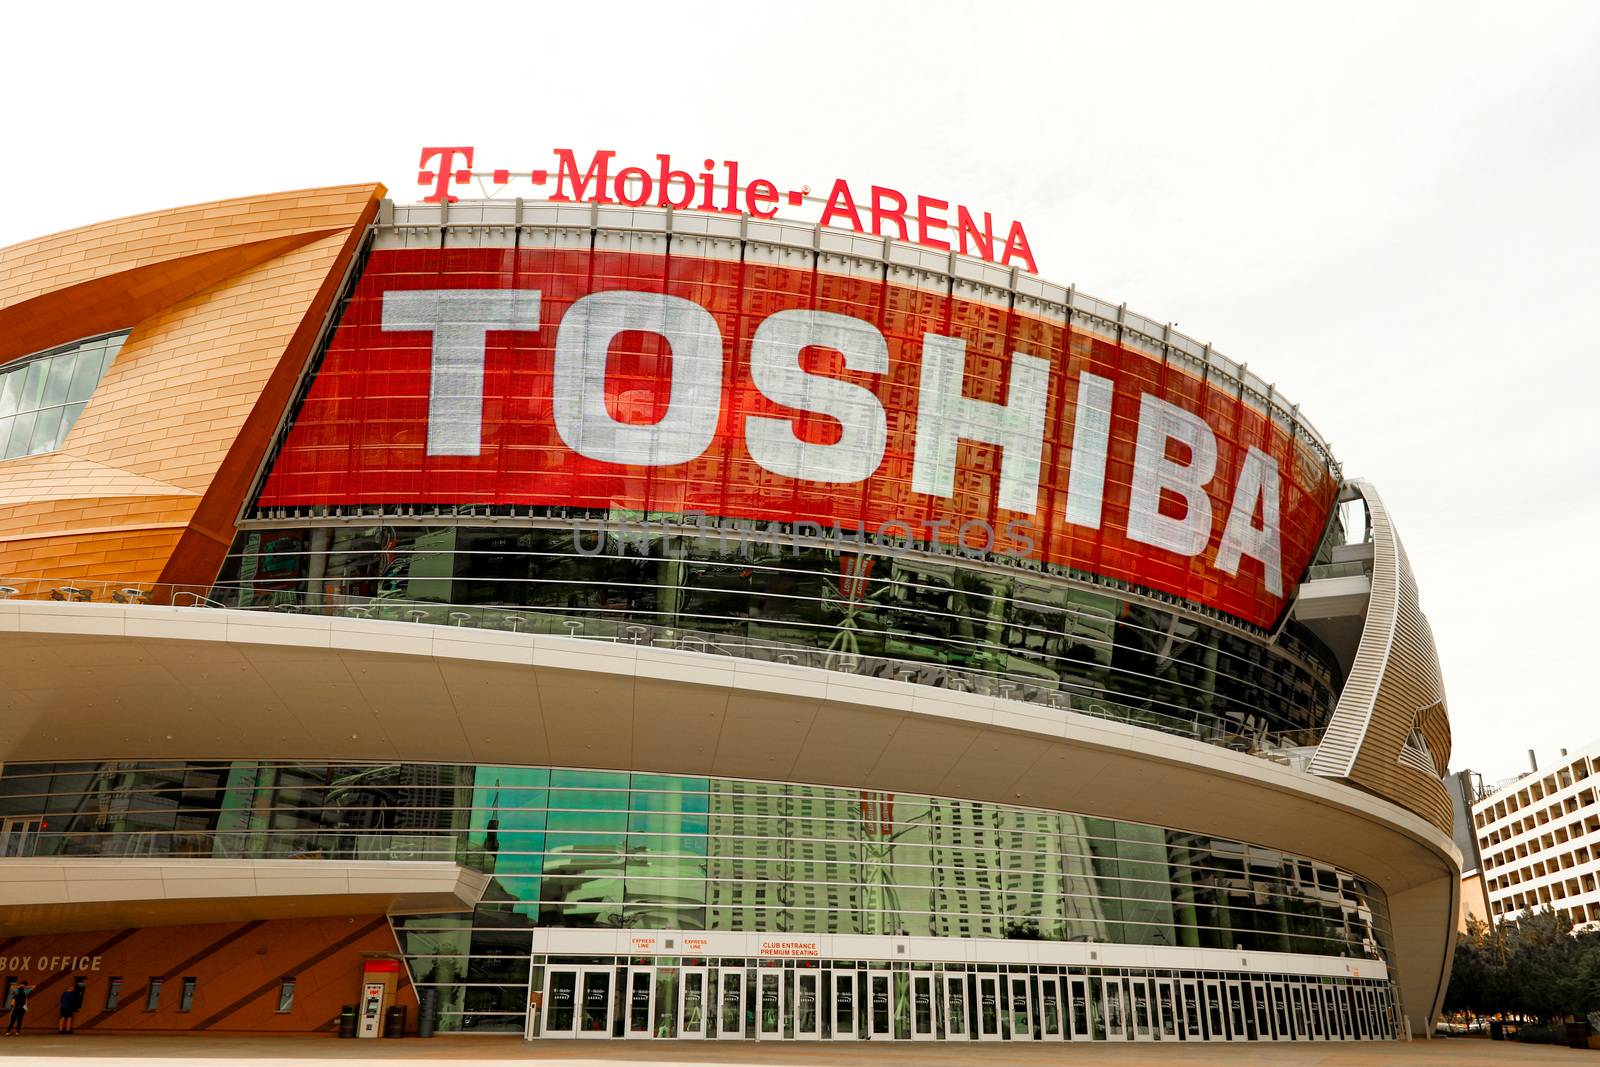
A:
(574, 620)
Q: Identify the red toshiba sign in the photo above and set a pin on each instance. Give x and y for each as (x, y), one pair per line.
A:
(674, 385)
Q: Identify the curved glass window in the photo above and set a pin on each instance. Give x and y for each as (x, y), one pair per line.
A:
(612, 850)
(1100, 653)
(42, 396)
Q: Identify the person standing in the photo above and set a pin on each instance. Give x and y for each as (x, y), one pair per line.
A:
(19, 1007)
(71, 1001)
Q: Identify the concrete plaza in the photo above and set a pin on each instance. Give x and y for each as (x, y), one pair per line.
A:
(245, 1051)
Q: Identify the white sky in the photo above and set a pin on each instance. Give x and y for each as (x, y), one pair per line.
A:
(1387, 209)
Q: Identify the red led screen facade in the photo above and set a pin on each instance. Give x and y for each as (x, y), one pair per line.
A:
(672, 385)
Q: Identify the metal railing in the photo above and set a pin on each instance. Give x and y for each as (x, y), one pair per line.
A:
(440, 846)
(1291, 748)
(1349, 569)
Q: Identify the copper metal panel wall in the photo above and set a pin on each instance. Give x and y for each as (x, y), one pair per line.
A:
(224, 301)
(238, 967)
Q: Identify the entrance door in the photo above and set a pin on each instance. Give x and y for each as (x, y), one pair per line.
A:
(730, 1003)
(1363, 1019)
(1078, 1007)
(989, 1007)
(1019, 1002)
(1316, 1017)
(880, 1005)
(560, 1002)
(1192, 1028)
(844, 1005)
(641, 1002)
(1260, 1012)
(1216, 1028)
(1140, 1009)
(577, 1001)
(594, 1002)
(1113, 1010)
(1238, 1024)
(808, 1005)
(17, 835)
(1052, 1025)
(770, 1002)
(1297, 1009)
(1280, 1011)
(1166, 1010)
(692, 1002)
(924, 1007)
(955, 1006)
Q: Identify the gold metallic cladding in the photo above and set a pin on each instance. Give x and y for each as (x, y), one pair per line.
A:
(1394, 685)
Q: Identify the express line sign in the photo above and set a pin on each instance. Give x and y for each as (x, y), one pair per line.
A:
(600, 178)
(679, 385)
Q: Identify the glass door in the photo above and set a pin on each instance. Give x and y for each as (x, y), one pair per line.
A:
(1297, 1009)
(1260, 1011)
(560, 1002)
(1113, 1009)
(1280, 1011)
(989, 1007)
(1238, 1022)
(641, 1002)
(1166, 1011)
(771, 988)
(955, 1005)
(1315, 1016)
(880, 1005)
(1216, 1029)
(844, 1005)
(730, 1003)
(1019, 999)
(1078, 1007)
(1052, 1026)
(692, 1002)
(924, 1007)
(1139, 997)
(594, 1002)
(807, 1005)
(1193, 1030)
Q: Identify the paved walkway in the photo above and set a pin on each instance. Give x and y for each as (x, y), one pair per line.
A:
(273, 1051)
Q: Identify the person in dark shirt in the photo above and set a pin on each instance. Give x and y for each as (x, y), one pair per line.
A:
(19, 1007)
(71, 1001)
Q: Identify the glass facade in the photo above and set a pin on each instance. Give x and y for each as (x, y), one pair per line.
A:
(1094, 651)
(42, 396)
(603, 850)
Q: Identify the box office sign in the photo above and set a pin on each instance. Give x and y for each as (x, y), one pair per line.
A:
(38, 964)
(686, 386)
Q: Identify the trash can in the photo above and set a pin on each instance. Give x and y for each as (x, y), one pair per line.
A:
(1578, 1034)
(394, 1021)
(347, 1021)
(1497, 1030)
(427, 1011)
